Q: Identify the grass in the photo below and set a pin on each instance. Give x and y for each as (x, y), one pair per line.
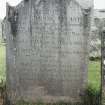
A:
(92, 94)
(94, 75)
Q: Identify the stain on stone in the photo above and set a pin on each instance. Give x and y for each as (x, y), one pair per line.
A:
(86, 13)
(13, 19)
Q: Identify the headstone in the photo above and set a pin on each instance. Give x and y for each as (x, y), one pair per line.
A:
(47, 50)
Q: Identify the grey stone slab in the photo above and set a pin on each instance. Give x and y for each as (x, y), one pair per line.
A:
(47, 50)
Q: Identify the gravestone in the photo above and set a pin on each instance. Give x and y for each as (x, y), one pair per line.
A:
(47, 50)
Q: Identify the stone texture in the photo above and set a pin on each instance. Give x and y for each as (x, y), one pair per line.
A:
(47, 50)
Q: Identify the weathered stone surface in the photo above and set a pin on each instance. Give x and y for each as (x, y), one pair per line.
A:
(47, 46)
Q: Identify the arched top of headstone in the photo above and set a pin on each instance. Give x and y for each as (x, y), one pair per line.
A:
(85, 4)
